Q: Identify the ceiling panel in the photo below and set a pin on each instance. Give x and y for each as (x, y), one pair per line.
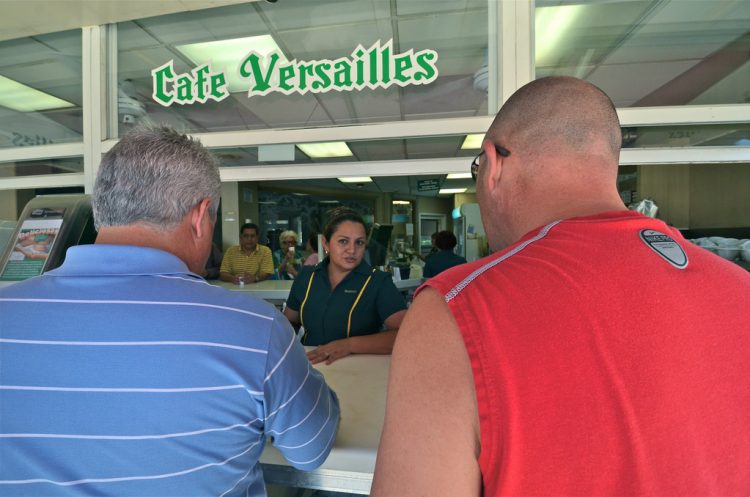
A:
(593, 31)
(455, 94)
(467, 40)
(324, 13)
(333, 42)
(433, 147)
(737, 83)
(422, 7)
(700, 16)
(627, 83)
(132, 36)
(378, 150)
(378, 105)
(277, 110)
(59, 15)
(338, 105)
(178, 29)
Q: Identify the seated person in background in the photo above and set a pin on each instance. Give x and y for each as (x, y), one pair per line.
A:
(213, 264)
(161, 384)
(444, 258)
(248, 262)
(286, 259)
(312, 249)
(343, 303)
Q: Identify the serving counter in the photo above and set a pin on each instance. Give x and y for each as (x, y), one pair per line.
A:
(277, 291)
(360, 382)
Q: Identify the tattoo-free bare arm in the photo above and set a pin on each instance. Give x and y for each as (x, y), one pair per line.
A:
(430, 442)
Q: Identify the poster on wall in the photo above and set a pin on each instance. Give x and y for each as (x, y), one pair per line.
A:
(33, 245)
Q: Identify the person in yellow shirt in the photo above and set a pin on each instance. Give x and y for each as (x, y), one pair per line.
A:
(248, 262)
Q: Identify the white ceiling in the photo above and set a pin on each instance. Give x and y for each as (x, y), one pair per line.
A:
(21, 18)
(635, 50)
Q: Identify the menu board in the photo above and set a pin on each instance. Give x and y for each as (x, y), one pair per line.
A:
(33, 244)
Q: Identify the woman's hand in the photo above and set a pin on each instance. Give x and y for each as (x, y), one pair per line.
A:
(330, 352)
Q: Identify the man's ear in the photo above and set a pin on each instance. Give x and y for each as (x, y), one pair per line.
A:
(493, 164)
(200, 221)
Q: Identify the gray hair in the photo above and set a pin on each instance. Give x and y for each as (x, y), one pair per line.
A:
(154, 175)
(287, 234)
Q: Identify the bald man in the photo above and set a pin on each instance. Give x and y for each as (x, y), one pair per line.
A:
(595, 353)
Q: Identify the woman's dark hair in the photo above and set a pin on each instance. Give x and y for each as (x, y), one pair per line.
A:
(445, 240)
(338, 216)
(313, 241)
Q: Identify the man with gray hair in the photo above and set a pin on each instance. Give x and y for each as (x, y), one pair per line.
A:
(125, 373)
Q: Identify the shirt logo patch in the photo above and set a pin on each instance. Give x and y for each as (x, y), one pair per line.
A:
(666, 247)
(350, 291)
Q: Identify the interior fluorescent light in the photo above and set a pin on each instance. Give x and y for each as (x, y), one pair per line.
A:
(472, 142)
(325, 149)
(22, 98)
(451, 190)
(356, 179)
(551, 27)
(401, 202)
(459, 176)
(227, 55)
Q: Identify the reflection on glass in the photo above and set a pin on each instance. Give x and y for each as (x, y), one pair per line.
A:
(363, 150)
(306, 31)
(42, 166)
(648, 53)
(716, 135)
(41, 90)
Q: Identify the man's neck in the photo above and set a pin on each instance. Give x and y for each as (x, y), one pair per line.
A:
(141, 235)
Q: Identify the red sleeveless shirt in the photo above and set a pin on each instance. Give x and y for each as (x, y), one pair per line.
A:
(610, 357)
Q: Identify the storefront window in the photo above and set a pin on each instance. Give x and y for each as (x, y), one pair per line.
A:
(41, 90)
(339, 63)
(644, 53)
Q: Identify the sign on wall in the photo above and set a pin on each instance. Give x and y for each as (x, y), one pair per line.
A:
(371, 68)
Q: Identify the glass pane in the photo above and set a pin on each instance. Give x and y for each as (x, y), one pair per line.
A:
(306, 32)
(646, 53)
(358, 151)
(41, 166)
(715, 135)
(41, 90)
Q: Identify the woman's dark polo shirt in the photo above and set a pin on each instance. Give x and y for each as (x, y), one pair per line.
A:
(325, 313)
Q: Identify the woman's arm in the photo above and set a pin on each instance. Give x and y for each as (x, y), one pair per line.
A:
(376, 343)
(293, 317)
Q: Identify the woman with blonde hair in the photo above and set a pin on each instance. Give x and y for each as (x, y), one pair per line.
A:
(286, 260)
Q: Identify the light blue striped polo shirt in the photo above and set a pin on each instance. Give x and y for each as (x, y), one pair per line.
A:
(122, 373)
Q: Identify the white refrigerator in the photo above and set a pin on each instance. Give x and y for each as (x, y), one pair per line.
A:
(469, 231)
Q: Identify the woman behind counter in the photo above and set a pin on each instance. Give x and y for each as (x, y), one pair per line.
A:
(345, 306)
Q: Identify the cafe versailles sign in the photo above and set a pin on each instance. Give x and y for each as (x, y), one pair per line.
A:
(376, 67)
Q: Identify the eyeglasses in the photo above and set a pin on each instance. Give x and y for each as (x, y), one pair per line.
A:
(502, 151)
